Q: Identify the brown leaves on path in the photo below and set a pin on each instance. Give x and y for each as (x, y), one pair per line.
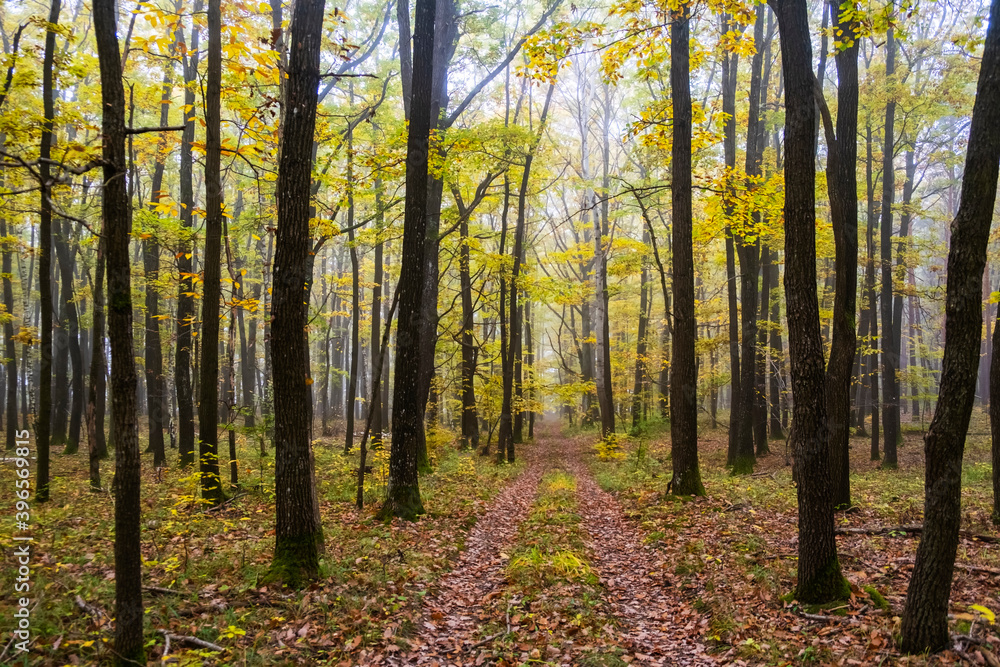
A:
(656, 623)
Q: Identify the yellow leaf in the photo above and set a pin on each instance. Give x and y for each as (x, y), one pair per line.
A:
(985, 611)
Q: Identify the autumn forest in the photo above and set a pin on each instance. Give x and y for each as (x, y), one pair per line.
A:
(442, 332)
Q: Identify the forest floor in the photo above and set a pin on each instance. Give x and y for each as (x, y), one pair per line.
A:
(569, 557)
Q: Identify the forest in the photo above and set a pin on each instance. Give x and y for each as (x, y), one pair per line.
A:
(451, 332)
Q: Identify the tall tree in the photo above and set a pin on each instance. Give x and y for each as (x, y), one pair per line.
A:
(686, 478)
(890, 332)
(298, 532)
(842, 183)
(43, 425)
(995, 417)
(819, 574)
(208, 383)
(925, 618)
(117, 227)
(403, 493)
(185, 288)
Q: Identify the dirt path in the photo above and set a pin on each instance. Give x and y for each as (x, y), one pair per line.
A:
(454, 612)
(655, 624)
(651, 621)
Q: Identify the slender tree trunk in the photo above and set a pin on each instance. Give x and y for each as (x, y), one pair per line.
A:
(842, 184)
(640, 343)
(8, 336)
(890, 336)
(298, 532)
(686, 478)
(925, 617)
(403, 493)
(605, 389)
(128, 644)
(69, 341)
(377, 406)
(730, 67)
(185, 290)
(995, 417)
(470, 419)
(97, 444)
(819, 577)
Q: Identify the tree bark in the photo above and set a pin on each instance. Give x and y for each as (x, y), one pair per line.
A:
(185, 290)
(640, 342)
(730, 68)
(403, 493)
(470, 420)
(842, 185)
(128, 644)
(925, 617)
(890, 335)
(819, 577)
(298, 532)
(686, 478)
(208, 383)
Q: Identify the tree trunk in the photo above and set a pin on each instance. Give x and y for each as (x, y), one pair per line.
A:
(873, 366)
(686, 478)
(377, 406)
(640, 342)
(890, 335)
(605, 390)
(403, 493)
(185, 290)
(995, 417)
(843, 190)
(819, 577)
(730, 67)
(352, 384)
(208, 383)
(470, 419)
(97, 445)
(298, 532)
(8, 336)
(43, 424)
(925, 617)
(128, 644)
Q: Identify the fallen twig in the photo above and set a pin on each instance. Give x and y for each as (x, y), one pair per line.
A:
(914, 528)
(830, 619)
(89, 609)
(473, 647)
(193, 641)
(961, 566)
(162, 591)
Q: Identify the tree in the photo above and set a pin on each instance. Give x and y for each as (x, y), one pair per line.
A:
(819, 577)
(842, 183)
(129, 648)
(686, 478)
(43, 427)
(298, 533)
(208, 383)
(925, 617)
(185, 290)
(890, 331)
(403, 494)
(995, 417)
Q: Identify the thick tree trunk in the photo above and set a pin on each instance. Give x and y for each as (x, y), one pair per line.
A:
(925, 618)
(686, 478)
(298, 532)
(128, 644)
(819, 577)
(995, 417)
(842, 184)
(403, 493)
(208, 383)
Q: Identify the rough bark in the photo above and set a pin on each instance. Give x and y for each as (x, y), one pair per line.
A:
(208, 382)
(819, 577)
(890, 334)
(403, 493)
(842, 184)
(185, 290)
(686, 478)
(298, 533)
(730, 68)
(117, 224)
(470, 420)
(925, 617)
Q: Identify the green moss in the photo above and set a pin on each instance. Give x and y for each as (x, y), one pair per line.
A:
(687, 483)
(742, 465)
(828, 585)
(404, 502)
(296, 560)
(877, 598)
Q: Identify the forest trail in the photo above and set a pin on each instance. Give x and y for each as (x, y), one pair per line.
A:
(474, 608)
